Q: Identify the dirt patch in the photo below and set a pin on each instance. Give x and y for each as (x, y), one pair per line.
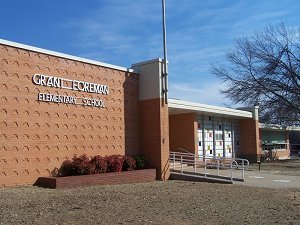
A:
(171, 202)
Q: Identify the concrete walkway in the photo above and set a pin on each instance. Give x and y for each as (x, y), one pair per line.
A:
(269, 180)
(253, 177)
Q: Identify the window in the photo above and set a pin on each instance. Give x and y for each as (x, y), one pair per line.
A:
(219, 137)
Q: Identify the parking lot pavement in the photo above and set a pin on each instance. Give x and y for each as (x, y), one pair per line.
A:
(269, 180)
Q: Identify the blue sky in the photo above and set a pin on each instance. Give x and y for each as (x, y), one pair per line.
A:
(123, 32)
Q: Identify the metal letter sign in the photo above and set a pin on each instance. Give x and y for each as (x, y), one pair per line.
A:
(74, 85)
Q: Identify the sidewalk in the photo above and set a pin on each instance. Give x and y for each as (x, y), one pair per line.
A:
(269, 180)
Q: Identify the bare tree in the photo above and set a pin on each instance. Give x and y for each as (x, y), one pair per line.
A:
(264, 70)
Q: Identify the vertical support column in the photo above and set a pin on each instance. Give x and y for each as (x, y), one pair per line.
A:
(223, 138)
(232, 140)
(154, 117)
(214, 135)
(249, 141)
(203, 136)
(287, 141)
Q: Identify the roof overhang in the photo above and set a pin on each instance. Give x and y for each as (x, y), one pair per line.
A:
(180, 107)
(62, 55)
(276, 127)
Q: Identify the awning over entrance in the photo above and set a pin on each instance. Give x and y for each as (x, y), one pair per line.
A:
(180, 107)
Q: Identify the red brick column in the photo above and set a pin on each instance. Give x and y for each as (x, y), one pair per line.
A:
(249, 140)
(154, 137)
(154, 117)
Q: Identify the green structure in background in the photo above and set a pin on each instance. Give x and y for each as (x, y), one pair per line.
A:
(273, 140)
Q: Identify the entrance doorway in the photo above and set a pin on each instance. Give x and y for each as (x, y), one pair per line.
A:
(218, 136)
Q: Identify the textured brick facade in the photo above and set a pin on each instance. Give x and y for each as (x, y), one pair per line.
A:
(183, 132)
(36, 137)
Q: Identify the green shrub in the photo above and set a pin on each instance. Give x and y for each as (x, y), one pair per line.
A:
(140, 161)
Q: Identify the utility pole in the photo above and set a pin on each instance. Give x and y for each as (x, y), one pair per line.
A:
(165, 60)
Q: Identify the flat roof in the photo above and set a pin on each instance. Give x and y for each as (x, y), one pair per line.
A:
(178, 107)
(62, 55)
(147, 62)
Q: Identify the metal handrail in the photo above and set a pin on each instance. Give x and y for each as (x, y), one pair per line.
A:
(244, 162)
(219, 162)
(185, 151)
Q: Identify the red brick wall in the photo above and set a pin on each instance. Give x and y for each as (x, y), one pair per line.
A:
(249, 140)
(183, 131)
(135, 176)
(154, 128)
(35, 137)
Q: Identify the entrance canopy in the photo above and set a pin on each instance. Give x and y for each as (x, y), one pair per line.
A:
(181, 107)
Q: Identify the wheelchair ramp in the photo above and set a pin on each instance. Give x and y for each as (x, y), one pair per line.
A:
(187, 166)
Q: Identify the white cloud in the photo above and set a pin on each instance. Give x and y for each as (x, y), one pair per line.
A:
(199, 34)
(115, 28)
(206, 93)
